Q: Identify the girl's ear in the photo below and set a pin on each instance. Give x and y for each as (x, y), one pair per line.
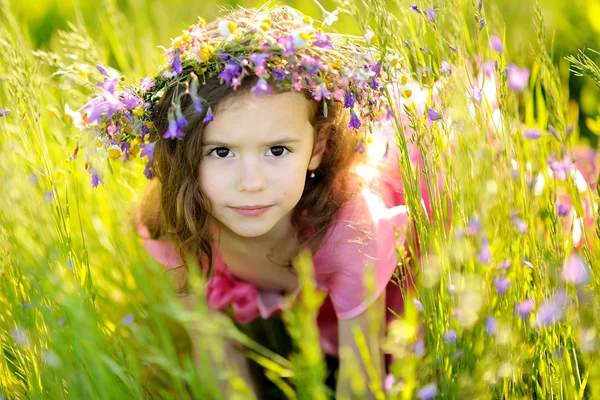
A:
(317, 154)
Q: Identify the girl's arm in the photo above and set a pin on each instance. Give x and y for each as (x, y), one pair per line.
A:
(376, 314)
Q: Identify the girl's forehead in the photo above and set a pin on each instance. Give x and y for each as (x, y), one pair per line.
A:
(260, 118)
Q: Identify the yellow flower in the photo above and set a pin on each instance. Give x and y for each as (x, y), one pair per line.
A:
(134, 149)
(204, 54)
(264, 27)
(201, 21)
(138, 111)
(300, 38)
(114, 152)
(103, 125)
(60, 175)
(150, 125)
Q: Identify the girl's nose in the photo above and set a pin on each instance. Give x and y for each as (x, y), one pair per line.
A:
(251, 177)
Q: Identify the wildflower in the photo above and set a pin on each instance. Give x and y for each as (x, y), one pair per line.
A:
(388, 382)
(114, 152)
(445, 68)
(485, 255)
(552, 310)
(370, 37)
(504, 265)
(180, 119)
(418, 304)
(431, 14)
(209, 116)
(518, 78)
(519, 224)
(173, 132)
(576, 271)
(300, 39)
(563, 209)
(533, 134)
(96, 178)
(349, 98)
(102, 70)
(561, 169)
(261, 87)
(127, 320)
(176, 65)
(231, 72)
(415, 8)
(227, 28)
(477, 94)
(354, 121)
(330, 17)
(502, 284)
(450, 336)
(320, 92)
(427, 392)
(146, 84)
(360, 148)
(393, 61)
(480, 5)
(524, 308)
(496, 44)
(474, 226)
(433, 115)
(491, 326)
(419, 348)
(148, 150)
(481, 23)
(307, 24)
(552, 130)
(4, 112)
(148, 171)
(74, 116)
(323, 41)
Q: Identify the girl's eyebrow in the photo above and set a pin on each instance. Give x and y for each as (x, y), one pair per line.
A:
(272, 143)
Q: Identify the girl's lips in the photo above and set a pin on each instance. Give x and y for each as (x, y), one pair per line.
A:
(251, 211)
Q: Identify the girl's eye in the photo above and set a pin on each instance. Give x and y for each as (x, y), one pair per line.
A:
(221, 152)
(278, 150)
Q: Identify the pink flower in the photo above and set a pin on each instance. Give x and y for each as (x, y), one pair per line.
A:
(223, 290)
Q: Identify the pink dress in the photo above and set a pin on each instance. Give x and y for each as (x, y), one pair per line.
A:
(340, 264)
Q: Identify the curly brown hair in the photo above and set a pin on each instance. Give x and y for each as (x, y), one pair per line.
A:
(174, 206)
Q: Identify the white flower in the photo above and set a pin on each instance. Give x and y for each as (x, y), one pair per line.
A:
(370, 37)
(227, 28)
(330, 17)
(307, 24)
(300, 38)
(393, 61)
(74, 116)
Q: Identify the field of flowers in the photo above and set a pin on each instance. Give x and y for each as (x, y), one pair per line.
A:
(506, 302)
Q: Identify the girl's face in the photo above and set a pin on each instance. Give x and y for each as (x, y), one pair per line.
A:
(256, 152)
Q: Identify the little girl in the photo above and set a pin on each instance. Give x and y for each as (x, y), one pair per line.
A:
(265, 137)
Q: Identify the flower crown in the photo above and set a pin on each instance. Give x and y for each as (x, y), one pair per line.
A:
(289, 55)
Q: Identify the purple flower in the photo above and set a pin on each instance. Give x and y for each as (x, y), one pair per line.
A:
(320, 92)
(552, 310)
(388, 382)
(518, 78)
(474, 226)
(519, 224)
(360, 148)
(148, 170)
(496, 44)
(524, 308)
(480, 5)
(146, 84)
(180, 119)
(504, 265)
(431, 14)
(576, 271)
(477, 94)
(485, 255)
(419, 348)
(481, 23)
(445, 68)
(433, 115)
(259, 59)
(427, 392)
(418, 304)
(102, 70)
(562, 168)
(563, 209)
(108, 85)
(33, 178)
(279, 74)
(414, 7)
(96, 178)
(354, 121)
(261, 87)
(173, 132)
(491, 326)
(322, 41)
(288, 45)
(4, 112)
(502, 284)
(127, 320)
(450, 336)
(148, 150)
(209, 116)
(130, 100)
(176, 65)
(533, 134)
(349, 99)
(552, 130)
(232, 71)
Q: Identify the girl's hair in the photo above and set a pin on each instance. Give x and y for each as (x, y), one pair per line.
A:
(174, 206)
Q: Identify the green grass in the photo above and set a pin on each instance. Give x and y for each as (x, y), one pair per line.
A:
(86, 313)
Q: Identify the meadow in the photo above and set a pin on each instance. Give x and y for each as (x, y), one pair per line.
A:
(505, 301)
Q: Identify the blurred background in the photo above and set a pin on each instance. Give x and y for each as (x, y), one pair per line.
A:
(571, 25)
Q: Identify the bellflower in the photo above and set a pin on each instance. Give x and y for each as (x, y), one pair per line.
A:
(552, 310)
(431, 14)
(445, 68)
(173, 132)
(354, 121)
(261, 87)
(209, 116)
(491, 326)
(502, 284)
(524, 308)
(496, 44)
(427, 392)
(231, 71)
(4, 112)
(518, 78)
(576, 271)
(147, 151)
(433, 115)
